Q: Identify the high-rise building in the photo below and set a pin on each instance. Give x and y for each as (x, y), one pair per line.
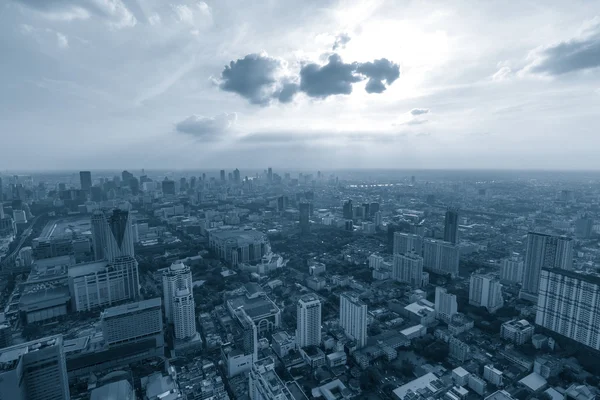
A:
(85, 180)
(584, 227)
(184, 314)
(308, 321)
(112, 234)
(569, 304)
(441, 257)
(177, 276)
(348, 212)
(249, 333)
(34, 370)
(405, 243)
(304, 220)
(544, 251)
(270, 175)
(6, 338)
(512, 269)
(485, 291)
(222, 174)
(126, 178)
(236, 176)
(408, 268)
(265, 384)
(451, 227)
(168, 187)
(353, 318)
(133, 322)
(445, 304)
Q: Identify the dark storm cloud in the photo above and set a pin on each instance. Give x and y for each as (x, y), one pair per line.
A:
(259, 78)
(570, 56)
(379, 71)
(419, 111)
(335, 77)
(252, 77)
(341, 41)
(207, 127)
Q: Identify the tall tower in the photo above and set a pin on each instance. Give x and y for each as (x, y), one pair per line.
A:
(451, 227)
(544, 251)
(445, 304)
(177, 276)
(405, 243)
(353, 318)
(408, 268)
(184, 314)
(308, 321)
(112, 234)
(304, 220)
(85, 180)
(485, 291)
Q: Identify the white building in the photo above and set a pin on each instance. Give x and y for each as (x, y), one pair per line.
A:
(512, 269)
(177, 276)
(184, 314)
(133, 322)
(265, 384)
(353, 318)
(408, 268)
(441, 257)
(407, 243)
(445, 304)
(308, 321)
(375, 261)
(517, 331)
(492, 375)
(485, 291)
(460, 376)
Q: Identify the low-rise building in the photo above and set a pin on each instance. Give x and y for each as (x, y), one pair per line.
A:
(517, 331)
(492, 375)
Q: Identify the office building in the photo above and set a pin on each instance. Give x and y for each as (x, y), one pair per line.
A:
(459, 350)
(265, 384)
(184, 314)
(238, 247)
(353, 318)
(492, 375)
(569, 304)
(451, 227)
(304, 217)
(101, 284)
(485, 291)
(544, 251)
(441, 257)
(584, 227)
(375, 261)
(168, 187)
(512, 269)
(34, 370)
(348, 211)
(249, 333)
(308, 321)
(445, 304)
(222, 175)
(6, 338)
(133, 322)
(408, 268)
(85, 180)
(112, 234)
(405, 243)
(517, 331)
(177, 276)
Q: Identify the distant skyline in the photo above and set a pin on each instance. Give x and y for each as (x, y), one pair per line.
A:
(299, 84)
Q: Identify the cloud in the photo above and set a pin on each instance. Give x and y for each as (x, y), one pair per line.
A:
(341, 41)
(113, 11)
(207, 127)
(260, 78)
(577, 54)
(195, 15)
(62, 40)
(502, 74)
(379, 71)
(254, 77)
(419, 111)
(333, 78)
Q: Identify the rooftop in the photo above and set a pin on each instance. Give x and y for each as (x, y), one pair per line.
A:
(10, 355)
(120, 390)
(414, 385)
(255, 307)
(87, 268)
(499, 395)
(131, 307)
(534, 381)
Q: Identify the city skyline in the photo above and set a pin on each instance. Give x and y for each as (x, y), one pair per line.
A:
(179, 86)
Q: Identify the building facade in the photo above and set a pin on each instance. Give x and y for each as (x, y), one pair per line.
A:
(353, 318)
(133, 322)
(408, 268)
(184, 314)
(407, 243)
(177, 276)
(445, 304)
(308, 321)
(441, 257)
(485, 291)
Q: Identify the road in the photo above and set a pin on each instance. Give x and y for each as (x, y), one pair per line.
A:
(24, 237)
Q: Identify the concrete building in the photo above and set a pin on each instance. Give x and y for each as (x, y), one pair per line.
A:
(85, 180)
(459, 350)
(304, 209)
(407, 243)
(112, 234)
(308, 321)
(177, 277)
(544, 251)
(569, 304)
(282, 343)
(485, 291)
(408, 268)
(492, 375)
(264, 313)
(375, 261)
(517, 331)
(133, 322)
(265, 384)
(477, 384)
(512, 269)
(451, 227)
(460, 376)
(441, 257)
(445, 304)
(236, 247)
(34, 370)
(353, 318)
(184, 314)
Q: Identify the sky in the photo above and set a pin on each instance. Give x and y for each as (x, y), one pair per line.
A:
(90, 84)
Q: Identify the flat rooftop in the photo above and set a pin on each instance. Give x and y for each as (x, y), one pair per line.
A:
(131, 307)
(249, 235)
(87, 268)
(256, 307)
(9, 355)
(67, 227)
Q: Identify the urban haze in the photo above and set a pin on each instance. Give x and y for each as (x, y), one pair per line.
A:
(299, 199)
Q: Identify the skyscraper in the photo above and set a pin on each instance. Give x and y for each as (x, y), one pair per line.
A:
(347, 210)
(222, 174)
(512, 269)
(304, 220)
(85, 180)
(112, 234)
(133, 322)
(408, 268)
(445, 304)
(451, 227)
(184, 314)
(441, 257)
(236, 176)
(485, 291)
(270, 175)
(177, 276)
(34, 370)
(353, 318)
(569, 304)
(584, 227)
(544, 251)
(168, 187)
(308, 321)
(405, 243)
